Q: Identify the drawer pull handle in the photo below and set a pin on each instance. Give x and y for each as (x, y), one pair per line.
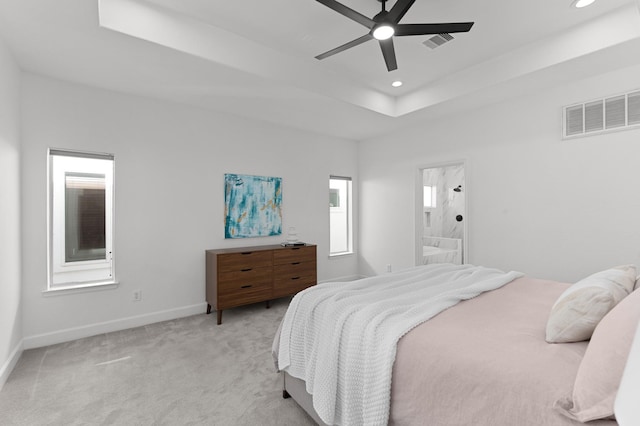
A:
(245, 270)
(295, 278)
(246, 286)
(295, 263)
(295, 248)
(246, 252)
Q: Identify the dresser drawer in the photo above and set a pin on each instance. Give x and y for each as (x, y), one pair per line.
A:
(245, 294)
(244, 260)
(294, 254)
(285, 286)
(291, 270)
(237, 279)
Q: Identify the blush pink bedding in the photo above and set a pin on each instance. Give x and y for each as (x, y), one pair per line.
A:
(485, 362)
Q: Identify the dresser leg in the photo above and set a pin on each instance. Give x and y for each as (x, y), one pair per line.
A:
(208, 309)
(219, 316)
(268, 304)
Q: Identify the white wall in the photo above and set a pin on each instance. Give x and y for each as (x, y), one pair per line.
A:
(10, 304)
(169, 170)
(552, 208)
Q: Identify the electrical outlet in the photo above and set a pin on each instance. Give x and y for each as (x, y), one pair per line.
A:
(389, 267)
(137, 295)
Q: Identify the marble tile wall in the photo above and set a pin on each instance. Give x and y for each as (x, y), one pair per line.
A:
(449, 203)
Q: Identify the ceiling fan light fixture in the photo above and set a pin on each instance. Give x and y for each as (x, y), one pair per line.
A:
(582, 3)
(383, 32)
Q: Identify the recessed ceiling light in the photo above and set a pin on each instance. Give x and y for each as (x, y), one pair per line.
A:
(581, 3)
(397, 83)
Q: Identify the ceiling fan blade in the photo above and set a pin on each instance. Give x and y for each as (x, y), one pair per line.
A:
(422, 29)
(389, 53)
(348, 12)
(399, 10)
(345, 46)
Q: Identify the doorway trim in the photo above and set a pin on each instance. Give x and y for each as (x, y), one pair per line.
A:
(419, 203)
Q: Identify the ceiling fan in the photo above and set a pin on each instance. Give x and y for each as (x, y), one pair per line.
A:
(385, 25)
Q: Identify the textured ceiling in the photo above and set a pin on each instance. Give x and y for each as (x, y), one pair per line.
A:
(256, 58)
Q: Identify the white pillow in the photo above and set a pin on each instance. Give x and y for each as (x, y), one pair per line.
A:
(580, 308)
(603, 365)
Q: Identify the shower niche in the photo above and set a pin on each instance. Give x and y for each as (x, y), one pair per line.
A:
(441, 215)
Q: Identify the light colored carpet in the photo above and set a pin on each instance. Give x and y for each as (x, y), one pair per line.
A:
(180, 372)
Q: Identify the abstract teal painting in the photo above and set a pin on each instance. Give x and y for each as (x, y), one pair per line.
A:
(252, 206)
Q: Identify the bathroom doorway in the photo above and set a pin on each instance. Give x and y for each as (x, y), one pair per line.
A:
(441, 235)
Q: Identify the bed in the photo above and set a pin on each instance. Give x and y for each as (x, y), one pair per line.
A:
(480, 360)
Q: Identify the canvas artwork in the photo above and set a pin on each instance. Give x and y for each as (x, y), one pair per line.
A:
(252, 206)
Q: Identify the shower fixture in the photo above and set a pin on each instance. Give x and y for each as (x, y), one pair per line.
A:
(458, 189)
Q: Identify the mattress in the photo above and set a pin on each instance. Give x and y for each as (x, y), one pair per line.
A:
(485, 362)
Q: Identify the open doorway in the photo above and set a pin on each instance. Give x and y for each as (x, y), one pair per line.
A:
(441, 214)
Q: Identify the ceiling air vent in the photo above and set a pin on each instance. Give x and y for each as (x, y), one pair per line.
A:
(438, 40)
(633, 108)
(593, 116)
(613, 113)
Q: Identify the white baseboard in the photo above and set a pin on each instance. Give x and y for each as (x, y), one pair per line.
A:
(74, 333)
(8, 366)
(345, 278)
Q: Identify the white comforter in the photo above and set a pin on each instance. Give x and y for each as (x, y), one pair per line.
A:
(340, 338)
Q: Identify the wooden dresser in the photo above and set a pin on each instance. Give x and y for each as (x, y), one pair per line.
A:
(245, 275)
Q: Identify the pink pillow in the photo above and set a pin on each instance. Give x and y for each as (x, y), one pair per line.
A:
(601, 369)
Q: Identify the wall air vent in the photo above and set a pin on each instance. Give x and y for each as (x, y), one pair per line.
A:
(438, 40)
(602, 115)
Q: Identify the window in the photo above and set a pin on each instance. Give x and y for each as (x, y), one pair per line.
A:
(429, 196)
(80, 219)
(340, 216)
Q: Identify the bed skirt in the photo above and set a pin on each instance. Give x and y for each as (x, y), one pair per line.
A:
(295, 388)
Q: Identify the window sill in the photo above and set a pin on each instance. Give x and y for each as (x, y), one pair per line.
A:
(80, 288)
(339, 255)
